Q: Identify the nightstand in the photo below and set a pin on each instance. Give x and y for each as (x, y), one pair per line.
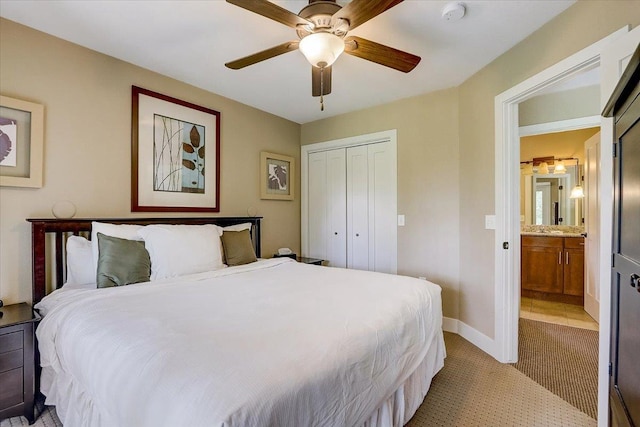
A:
(17, 361)
(304, 260)
(292, 256)
(314, 261)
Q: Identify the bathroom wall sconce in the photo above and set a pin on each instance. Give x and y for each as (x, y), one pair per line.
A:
(559, 167)
(541, 165)
(543, 168)
(577, 192)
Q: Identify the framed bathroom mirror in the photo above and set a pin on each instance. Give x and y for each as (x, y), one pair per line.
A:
(545, 199)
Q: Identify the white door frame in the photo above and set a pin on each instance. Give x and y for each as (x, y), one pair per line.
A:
(507, 189)
(591, 209)
(305, 150)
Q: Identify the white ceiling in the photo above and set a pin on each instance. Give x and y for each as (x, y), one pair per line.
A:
(191, 41)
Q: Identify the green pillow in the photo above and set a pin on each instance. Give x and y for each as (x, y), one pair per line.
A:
(121, 262)
(238, 249)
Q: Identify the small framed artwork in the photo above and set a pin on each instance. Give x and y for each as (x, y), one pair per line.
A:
(175, 155)
(21, 143)
(277, 173)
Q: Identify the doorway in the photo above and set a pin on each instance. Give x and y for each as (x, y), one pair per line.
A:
(612, 58)
(553, 219)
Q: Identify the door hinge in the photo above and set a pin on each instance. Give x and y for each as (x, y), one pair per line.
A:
(610, 369)
(613, 260)
(505, 245)
(615, 149)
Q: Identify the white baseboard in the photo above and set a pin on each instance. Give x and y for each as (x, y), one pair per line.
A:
(450, 325)
(475, 337)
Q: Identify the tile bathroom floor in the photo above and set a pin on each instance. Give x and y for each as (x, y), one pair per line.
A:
(556, 312)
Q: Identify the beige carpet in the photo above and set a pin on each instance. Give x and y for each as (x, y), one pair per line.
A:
(473, 389)
(562, 359)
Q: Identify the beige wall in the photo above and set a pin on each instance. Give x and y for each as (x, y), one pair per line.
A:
(429, 147)
(428, 185)
(565, 105)
(445, 150)
(87, 101)
(557, 144)
(581, 25)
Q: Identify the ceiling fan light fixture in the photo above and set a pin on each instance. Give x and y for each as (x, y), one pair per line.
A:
(321, 49)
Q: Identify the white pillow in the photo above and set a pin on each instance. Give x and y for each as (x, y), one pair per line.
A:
(123, 231)
(176, 250)
(80, 272)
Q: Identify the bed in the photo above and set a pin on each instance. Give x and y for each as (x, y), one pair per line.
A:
(266, 343)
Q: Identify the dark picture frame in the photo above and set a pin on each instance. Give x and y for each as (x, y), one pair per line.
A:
(175, 154)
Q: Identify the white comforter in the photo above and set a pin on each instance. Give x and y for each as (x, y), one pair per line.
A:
(272, 343)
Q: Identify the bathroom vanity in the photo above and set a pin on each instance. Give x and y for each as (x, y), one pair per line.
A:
(552, 267)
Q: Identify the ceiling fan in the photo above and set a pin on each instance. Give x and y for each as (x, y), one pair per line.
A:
(322, 28)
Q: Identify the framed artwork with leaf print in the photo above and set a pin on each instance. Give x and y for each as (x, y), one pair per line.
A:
(277, 174)
(175, 155)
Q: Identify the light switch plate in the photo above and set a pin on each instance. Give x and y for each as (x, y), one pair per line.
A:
(400, 220)
(490, 222)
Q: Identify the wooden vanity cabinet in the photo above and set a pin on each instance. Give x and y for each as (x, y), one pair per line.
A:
(542, 268)
(552, 268)
(573, 266)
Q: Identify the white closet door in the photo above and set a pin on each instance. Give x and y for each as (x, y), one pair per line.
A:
(337, 206)
(358, 208)
(327, 207)
(318, 220)
(382, 207)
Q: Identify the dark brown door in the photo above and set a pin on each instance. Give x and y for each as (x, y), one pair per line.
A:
(625, 328)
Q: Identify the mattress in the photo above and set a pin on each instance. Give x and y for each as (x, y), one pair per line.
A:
(272, 343)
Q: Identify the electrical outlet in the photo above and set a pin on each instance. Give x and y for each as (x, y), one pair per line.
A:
(400, 220)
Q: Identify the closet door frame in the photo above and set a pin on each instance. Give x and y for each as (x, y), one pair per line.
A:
(372, 138)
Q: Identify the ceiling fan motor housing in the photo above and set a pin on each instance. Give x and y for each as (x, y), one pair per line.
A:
(320, 14)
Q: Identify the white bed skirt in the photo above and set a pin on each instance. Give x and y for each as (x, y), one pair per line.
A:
(75, 407)
(398, 409)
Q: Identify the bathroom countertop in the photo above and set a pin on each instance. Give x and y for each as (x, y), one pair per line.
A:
(550, 234)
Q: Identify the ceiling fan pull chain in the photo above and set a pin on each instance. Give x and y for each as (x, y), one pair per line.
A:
(322, 89)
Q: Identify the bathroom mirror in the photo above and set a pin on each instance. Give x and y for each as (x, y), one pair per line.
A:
(545, 199)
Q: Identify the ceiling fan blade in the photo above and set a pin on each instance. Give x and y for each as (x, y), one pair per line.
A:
(261, 56)
(271, 11)
(320, 81)
(381, 54)
(360, 11)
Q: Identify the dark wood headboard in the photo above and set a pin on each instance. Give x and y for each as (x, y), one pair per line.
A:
(63, 228)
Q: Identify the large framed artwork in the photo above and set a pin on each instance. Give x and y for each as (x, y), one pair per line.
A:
(175, 155)
(21, 143)
(277, 173)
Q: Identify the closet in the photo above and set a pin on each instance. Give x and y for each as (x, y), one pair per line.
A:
(350, 205)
